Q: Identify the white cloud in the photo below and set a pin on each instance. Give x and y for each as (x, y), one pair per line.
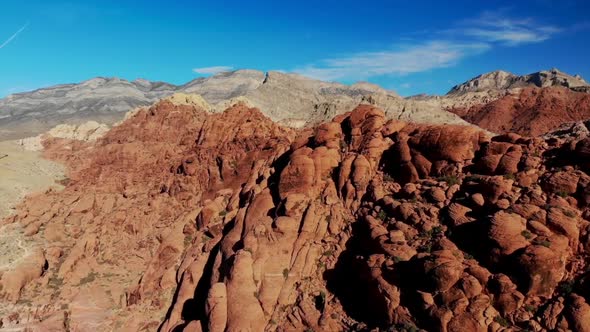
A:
(14, 36)
(494, 27)
(212, 70)
(399, 61)
(406, 85)
(465, 38)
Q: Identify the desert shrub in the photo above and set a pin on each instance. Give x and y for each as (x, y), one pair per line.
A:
(188, 239)
(526, 234)
(64, 181)
(569, 213)
(566, 287)
(89, 278)
(509, 176)
(562, 194)
(55, 282)
(427, 248)
(449, 179)
(328, 253)
(434, 231)
(502, 321)
(388, 178)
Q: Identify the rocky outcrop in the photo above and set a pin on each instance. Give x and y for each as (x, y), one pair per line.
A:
(181, 220)
(502, 80)
(88, 132)
(129, 197)
(530, 111)
(189, 99)
(19, 275)
(496, 80)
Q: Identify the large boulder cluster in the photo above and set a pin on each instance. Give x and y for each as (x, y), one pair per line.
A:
(229, 222)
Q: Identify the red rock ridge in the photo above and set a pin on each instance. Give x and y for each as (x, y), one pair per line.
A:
(184, 221)
(532, 111)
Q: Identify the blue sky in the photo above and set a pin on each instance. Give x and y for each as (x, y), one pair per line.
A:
(408, 46)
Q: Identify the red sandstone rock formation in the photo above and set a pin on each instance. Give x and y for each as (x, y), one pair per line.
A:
(532, 111)
(178, 220)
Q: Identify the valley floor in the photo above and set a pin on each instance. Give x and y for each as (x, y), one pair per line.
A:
(23, 172)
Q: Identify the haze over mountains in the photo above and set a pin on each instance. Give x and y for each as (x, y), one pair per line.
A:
(290, 99)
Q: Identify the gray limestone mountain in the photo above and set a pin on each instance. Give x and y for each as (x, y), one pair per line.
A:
(225, 85)
(290, 99)
(503, 80)
(99, 99)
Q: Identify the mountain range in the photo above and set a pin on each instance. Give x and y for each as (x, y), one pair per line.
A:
(290, 99)
(503, 80)
(252, 201)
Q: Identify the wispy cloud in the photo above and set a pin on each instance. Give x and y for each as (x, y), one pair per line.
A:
(495, 28)
(447, 48)
(212, 70)
(11, 38)
(400, 60)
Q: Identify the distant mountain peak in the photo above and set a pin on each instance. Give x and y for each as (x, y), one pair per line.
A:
(503, 80)
(142, 81)
(96, 80)
(498, 73)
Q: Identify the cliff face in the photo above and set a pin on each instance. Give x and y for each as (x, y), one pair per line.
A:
(530, 111)
(180, 220)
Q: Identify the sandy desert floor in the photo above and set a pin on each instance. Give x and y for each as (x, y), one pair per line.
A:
(23, 172)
